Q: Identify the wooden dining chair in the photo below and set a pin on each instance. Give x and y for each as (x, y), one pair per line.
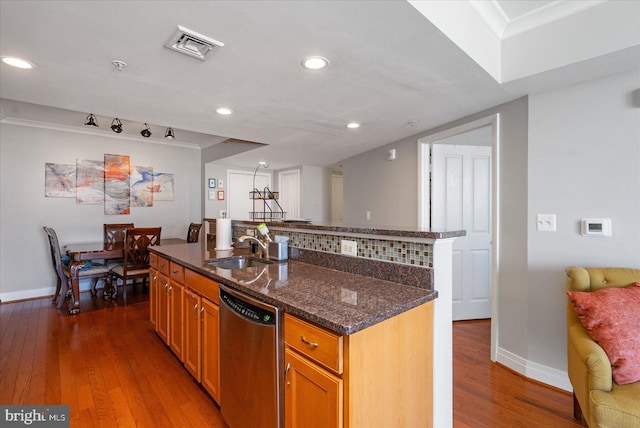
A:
(114, 234)
(96, 271)
(136, 258)
(193, 234)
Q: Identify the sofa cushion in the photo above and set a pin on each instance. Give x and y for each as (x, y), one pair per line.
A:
(612, 318)
(617, 408)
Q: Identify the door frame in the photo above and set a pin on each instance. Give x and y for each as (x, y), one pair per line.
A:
(424, 198)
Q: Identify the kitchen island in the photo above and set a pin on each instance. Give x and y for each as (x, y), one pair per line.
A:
(375, 317)
(357, 348)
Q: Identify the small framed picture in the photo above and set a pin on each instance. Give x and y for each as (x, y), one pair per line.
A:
(221, 195)
(212, 195)
(212, 183)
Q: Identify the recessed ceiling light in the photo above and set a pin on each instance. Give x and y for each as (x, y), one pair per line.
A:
(224, 110)
(18, 62)
(315, 62)
(353, 125)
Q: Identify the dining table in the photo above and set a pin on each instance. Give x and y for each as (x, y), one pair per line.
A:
(81, 253)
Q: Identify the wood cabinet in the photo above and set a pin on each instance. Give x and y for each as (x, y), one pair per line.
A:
(211, 348)
(176, 308)
(313, 396)
(202, 327)
(379, 376)
(169, 301)
(193, 334)
(162, 321)
(153, 289)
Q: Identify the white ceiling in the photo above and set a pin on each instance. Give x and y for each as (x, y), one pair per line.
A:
(390, 68)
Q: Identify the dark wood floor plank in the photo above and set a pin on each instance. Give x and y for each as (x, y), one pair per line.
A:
(489, 395)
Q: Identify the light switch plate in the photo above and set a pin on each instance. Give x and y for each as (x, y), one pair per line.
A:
(546, 222)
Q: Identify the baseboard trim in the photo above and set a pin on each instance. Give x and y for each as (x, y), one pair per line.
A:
(34, 293)
(538, 372)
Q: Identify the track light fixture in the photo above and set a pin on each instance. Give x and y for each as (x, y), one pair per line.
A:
(116, 125)
(91, 121)
(169, 134)
(146, 131)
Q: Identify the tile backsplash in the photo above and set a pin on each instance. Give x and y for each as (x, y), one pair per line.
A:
(410, 253)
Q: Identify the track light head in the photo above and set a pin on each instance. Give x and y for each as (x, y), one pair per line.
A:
(169, 134)
(116, 126)
(146, 131)
(91, 121)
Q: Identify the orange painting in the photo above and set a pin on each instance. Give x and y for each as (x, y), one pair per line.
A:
(116, 185)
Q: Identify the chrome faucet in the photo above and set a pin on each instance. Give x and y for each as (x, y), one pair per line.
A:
(263, 245)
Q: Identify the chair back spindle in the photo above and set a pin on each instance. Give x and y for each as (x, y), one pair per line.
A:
(193, 234)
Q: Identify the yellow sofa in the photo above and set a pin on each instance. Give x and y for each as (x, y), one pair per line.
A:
(597, 399)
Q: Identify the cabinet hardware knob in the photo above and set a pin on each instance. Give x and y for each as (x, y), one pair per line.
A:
(306, 342)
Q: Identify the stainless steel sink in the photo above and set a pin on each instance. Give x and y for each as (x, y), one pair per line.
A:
(238, 262)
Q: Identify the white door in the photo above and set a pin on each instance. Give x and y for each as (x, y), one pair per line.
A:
(239, 184)
(337, 192)
(289, 189)
(461, 199)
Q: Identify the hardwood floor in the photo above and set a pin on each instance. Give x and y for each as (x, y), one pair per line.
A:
(489, 395)
(110, 367)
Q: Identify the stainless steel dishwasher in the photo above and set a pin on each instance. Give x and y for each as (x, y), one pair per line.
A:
(250, 361)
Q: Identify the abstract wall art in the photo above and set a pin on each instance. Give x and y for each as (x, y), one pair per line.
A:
(142, 186)
(162, 186)
(116, 185)
(89, 182)
(59, 180)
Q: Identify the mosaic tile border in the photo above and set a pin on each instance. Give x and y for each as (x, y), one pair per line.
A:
(404, 252)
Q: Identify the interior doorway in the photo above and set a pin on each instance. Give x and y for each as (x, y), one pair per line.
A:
(461, 199)
(489, 126)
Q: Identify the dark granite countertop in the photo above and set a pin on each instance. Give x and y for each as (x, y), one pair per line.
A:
(368, 229)
(339, 301)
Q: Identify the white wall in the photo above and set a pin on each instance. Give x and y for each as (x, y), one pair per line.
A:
(584, 161)
(387, 189)
(573, 152)
(25, 261)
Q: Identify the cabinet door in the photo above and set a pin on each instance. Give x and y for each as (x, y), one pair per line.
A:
(211, 348)
(153, 296)
(162, 321)
(176, 303)
(192, 334)
(313, 396)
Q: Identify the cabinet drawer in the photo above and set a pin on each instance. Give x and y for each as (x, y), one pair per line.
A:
(153, 261)
(176, 272)
(163, 265)
(202, 285)
(314, 342)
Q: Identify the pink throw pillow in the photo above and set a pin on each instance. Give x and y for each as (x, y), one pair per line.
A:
(611, 316)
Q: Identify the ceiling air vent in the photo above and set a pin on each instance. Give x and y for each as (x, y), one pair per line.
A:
(191, 43)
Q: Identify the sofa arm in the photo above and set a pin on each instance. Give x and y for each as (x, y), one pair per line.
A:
(588, 364)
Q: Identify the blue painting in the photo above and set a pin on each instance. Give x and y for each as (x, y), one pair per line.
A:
(142, 186)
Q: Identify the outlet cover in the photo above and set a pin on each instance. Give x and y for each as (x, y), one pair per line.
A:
(349, 248)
